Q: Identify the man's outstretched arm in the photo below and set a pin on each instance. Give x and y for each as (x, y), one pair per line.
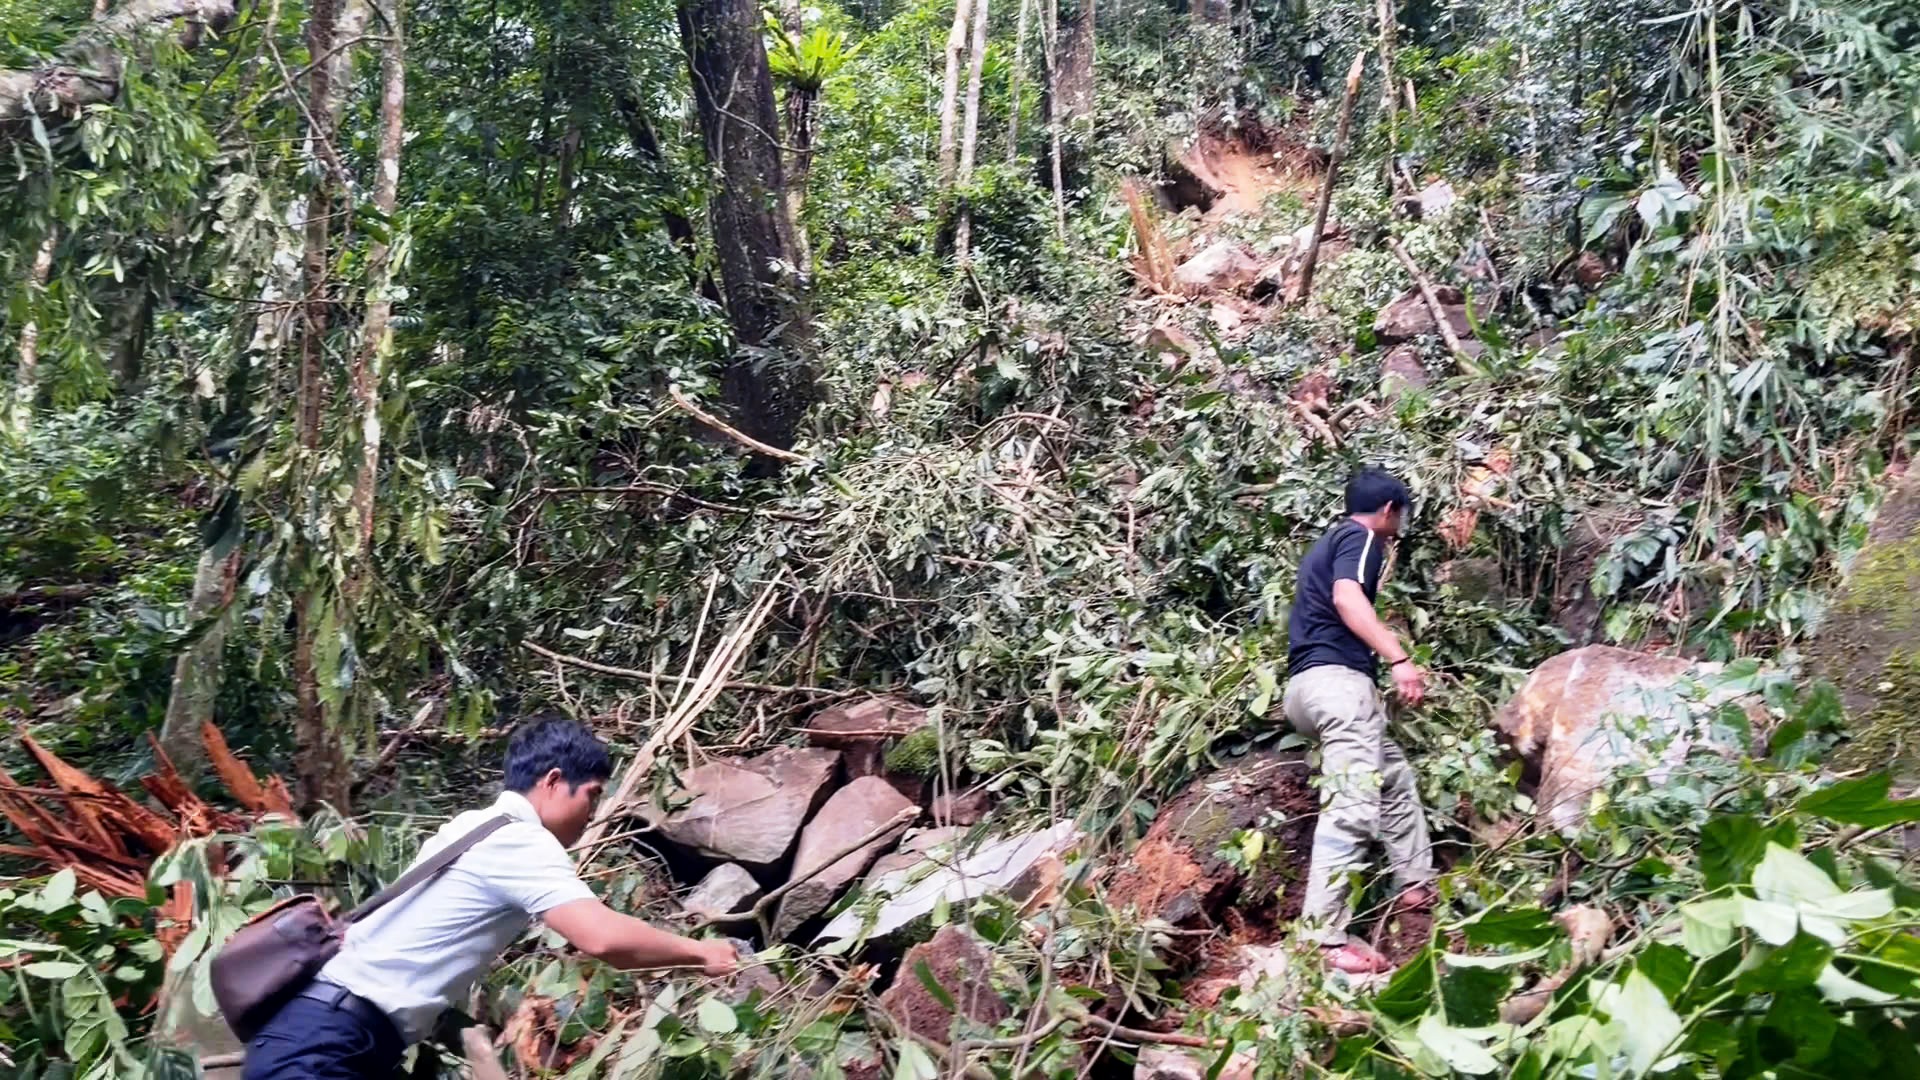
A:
(626, 942)
(1356, 611)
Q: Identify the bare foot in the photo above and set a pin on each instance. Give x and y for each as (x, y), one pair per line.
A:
(1355, 958)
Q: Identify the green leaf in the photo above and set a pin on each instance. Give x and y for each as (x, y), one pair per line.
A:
(1790, 967)
(1787, 877)
(1524, 927)
(717, 1017)
(54, 969)
(1410, 991)
(925, 974)
(58, 891)
(1646, 1024)
(1860, 802)
(1731, 845)
(914, 1062)
(1460, 1051)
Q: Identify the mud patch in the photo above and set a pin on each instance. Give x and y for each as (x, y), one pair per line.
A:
(1221, 173)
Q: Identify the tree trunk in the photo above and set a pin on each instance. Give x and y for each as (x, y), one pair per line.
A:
(196, 671)
(1213, 12)
(376, 346)
(1074, 97)
(1013, 88)
(970, 136)
(320, 760)
(800, 104)
(950, 91)
(26, 379)
(1388, 17)
(92, 69)
(733, 95)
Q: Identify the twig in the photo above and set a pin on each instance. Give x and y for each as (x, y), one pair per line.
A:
(654, 676)
(757, 913)
(1136, 1035)
(666, 492)
(1426, 292)
(734, 433)
(224, 1061)
(1305, 288)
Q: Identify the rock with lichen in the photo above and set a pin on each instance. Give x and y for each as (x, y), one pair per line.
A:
(1868, 644)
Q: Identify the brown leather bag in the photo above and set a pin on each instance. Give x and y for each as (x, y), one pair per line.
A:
(279, 951)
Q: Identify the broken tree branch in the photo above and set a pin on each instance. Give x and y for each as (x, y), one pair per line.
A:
(1434, 306)
(1305, 288)
(656, 677)
(734, 433)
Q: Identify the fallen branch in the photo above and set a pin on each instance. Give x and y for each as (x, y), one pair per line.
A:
(734, 433)
(1434, 306)
(677, 495)
(1136, 1035)
(758, 912)
(700, 694)
(655, 677)
(1325, 204)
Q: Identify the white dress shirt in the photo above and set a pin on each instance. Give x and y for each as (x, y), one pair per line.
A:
(422, 952)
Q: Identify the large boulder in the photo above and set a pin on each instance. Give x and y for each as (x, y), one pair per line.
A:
(862, 730)
(853, 812)
(957, 962)
(1586, 713)
(1402, 373)
(1224, 266)
(746, 812)
(1868, 643)
(1177, 875)
(936, 845)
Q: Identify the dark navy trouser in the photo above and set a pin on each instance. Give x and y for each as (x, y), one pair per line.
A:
(325, 1034)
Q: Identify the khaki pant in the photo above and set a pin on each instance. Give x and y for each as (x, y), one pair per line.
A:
(1367, 792)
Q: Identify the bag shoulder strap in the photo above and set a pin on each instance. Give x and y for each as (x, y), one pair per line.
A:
(428, 868)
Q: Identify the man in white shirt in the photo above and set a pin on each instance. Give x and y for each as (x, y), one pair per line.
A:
(406, 963)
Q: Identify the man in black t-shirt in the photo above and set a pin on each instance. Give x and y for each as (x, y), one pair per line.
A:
(1367, 790)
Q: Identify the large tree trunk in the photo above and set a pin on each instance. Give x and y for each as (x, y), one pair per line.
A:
(376, 345)
(950, 90)
(1072, 97)
(92, 67)
(320, 759)
(733, 94)
(26, 378)
(970, 136)
(1213, 12)
(196, 671)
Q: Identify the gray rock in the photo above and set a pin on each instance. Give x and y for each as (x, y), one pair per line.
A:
(1222, 266)
(997, 866)
(923, 846)
(1408, 317)
(726, 889)
(1401, 373)
(746, 812)
(853, 812)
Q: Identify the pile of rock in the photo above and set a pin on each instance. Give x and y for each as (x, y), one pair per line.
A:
(815, 820)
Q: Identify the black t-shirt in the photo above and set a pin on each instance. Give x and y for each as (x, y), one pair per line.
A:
(1315, 634)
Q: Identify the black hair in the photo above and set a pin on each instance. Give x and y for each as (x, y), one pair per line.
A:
(548, 742)
(1373, 489)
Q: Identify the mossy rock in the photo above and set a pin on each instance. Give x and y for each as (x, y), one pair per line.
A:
(918, 754)
(1869, 642)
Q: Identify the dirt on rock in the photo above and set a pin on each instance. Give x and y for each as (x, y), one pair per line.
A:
(1177, 874)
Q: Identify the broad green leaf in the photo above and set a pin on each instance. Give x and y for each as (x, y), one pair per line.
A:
(1707, 926)
(58, 891)
(717, 1017)
(1460, 1051)
(54, 969)
(1774, 923)
(914, 1062)
(1837, 987)
(1786, 877)
(1860, 802)
(1647, 1025)
(1525, 927)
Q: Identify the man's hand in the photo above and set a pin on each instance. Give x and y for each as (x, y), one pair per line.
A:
(1410, 681)
(717, 957)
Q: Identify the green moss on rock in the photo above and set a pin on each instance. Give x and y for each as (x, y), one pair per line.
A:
(918, 754)
(1869, 643)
